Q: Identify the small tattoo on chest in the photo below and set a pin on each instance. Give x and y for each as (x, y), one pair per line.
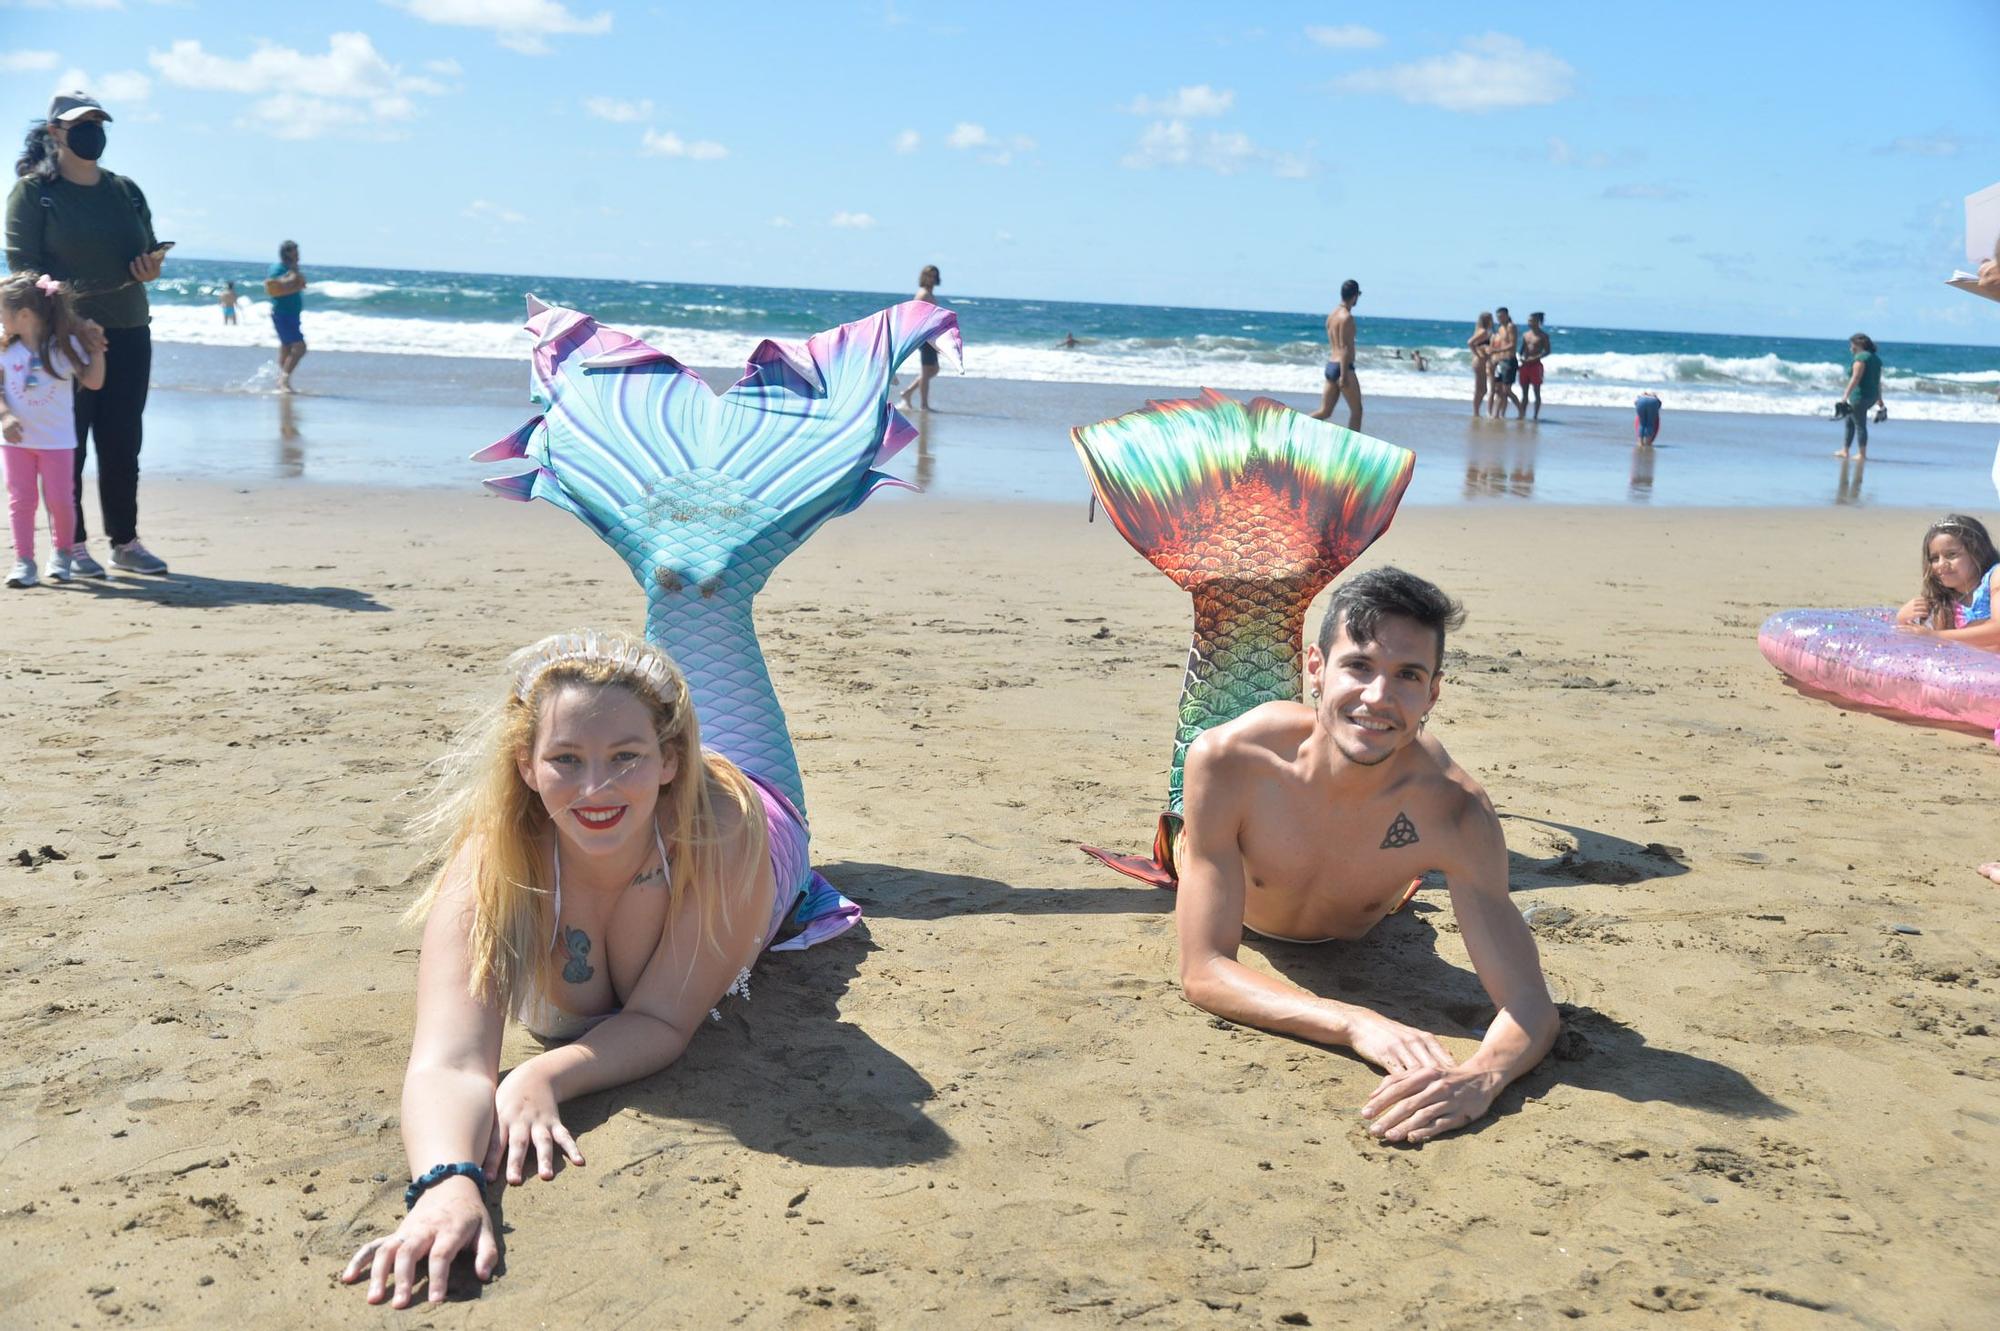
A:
(578, 968)
(1401, 833)
(651, 878)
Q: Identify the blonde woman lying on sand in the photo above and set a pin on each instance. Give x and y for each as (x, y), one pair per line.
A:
(606, 881)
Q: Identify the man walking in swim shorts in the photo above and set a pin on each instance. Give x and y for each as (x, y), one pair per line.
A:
(1340, 380)
(1311, 821)
(1534, 346)
(286, 287)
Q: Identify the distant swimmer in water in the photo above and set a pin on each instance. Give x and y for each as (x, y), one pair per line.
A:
(1069, 340)
(1417, 359)
(1340, 378)
(1646, 421)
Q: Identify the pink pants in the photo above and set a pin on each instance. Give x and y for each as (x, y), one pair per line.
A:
(51, 467)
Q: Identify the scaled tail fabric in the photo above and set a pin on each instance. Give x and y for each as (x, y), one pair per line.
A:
(1253, 508)
(705, 495)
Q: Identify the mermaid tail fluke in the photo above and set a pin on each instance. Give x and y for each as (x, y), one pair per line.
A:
(704, 495)
(1253, 508)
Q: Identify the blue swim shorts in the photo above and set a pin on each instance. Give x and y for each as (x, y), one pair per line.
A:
(288, 328)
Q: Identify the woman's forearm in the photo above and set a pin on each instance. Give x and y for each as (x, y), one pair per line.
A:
(618, 1050)
(447, 1116)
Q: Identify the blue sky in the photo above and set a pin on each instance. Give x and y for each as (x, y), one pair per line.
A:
(1729, 167)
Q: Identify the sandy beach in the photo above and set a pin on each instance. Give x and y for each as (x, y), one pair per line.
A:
(991, 1106)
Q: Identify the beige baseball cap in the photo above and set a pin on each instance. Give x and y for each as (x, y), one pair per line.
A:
(68, 106)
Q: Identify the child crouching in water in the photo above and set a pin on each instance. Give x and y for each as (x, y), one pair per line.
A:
(46, 351)
(1960, 569)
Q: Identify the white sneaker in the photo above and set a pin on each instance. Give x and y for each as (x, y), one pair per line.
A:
(61, 567)
(80, 560)
(136, 558)
(24, 574)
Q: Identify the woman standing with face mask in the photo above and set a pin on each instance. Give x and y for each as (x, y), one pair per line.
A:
(71, 219)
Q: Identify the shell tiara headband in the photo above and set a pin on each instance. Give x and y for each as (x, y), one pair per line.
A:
(625, 655)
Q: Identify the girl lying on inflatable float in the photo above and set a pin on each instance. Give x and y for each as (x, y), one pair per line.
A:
(625, 833)
(1938, 657)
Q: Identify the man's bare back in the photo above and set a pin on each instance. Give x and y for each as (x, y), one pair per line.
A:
(1308, 822)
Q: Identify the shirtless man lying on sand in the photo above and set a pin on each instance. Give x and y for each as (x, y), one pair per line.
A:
(1307, 822)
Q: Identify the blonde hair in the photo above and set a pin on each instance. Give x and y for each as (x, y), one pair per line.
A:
(480, 806)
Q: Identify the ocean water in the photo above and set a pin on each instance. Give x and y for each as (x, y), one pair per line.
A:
(478, 315)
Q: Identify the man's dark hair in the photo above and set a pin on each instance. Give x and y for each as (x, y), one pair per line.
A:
(289, 247)
(1349, 289)
(1363, 601)
(1500, 309)
(1537, 315)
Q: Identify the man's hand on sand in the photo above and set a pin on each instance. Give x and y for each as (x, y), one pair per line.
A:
(1423, 1103)
(445, 1220)
(1394, 1047)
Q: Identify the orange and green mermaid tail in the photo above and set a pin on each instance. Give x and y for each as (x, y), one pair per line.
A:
(1254, 509)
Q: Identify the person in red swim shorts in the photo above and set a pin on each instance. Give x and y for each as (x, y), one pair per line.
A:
(1534, 346)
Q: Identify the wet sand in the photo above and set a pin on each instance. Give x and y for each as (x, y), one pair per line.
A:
(990, 1105)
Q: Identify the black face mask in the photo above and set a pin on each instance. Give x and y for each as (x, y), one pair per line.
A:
(86, 140)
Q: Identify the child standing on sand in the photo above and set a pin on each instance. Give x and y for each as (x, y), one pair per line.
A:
(44, 352)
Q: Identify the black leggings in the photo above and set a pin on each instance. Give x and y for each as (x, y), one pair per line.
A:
(116, 412)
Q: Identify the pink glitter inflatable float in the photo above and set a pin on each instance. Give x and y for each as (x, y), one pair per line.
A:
(1859, 656)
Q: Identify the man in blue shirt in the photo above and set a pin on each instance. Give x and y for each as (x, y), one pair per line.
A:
(286, 287)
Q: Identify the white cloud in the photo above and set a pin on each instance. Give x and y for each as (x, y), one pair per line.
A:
(619, 110)
(351, 87)
(666, 143)
(1490, 73)
(1924, 145)
(518, 25)
(446, 68)
(21, 62)
(1345, 36)
(122, 87)
(488, 211)
(909, 141)
(851, 221)
(1173, 143)
(781, 222)
(965, 136)
(1190, 103)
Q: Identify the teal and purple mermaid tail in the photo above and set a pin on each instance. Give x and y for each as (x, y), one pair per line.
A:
(1253, 508)
(704, 495)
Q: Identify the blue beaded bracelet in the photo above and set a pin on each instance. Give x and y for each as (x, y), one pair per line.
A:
(437, 1174)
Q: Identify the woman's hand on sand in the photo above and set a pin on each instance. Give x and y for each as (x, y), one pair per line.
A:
(1423, 1103)
(449, 1216)
(1394, 1047)
(525, 1117)
(147, 266)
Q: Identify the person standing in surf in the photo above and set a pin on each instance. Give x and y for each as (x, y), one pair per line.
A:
(1862, 394)
(286, 287)
(1477, 344)
(1535, 346)
(1341, 381)
(927, 354)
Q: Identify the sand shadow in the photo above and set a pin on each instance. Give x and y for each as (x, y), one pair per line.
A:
(204, 593)
(1397, 972)
(1598, 857)
(784, 1075)
(897, 892)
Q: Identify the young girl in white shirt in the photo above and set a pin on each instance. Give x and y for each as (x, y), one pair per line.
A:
(45, 353)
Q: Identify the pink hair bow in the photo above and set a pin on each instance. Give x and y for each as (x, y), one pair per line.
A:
(47, 285)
